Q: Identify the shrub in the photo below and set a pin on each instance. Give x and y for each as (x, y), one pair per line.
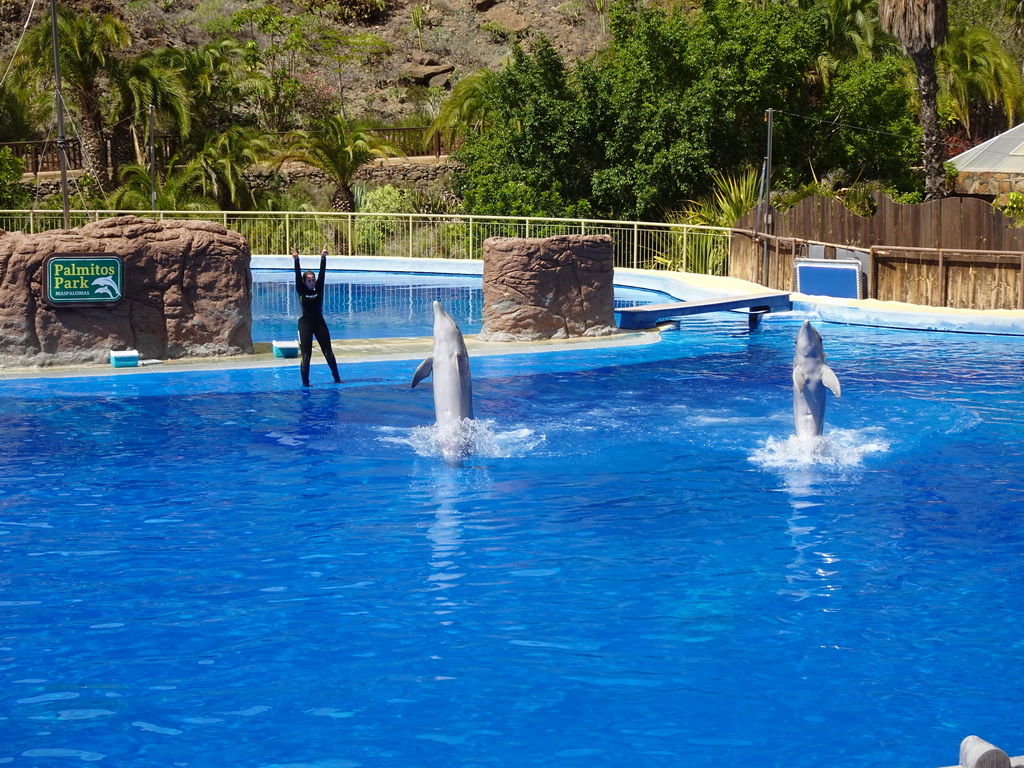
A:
(13, 194)
(1013, 207)
(372, 233)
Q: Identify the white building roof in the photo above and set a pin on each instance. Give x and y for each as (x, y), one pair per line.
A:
(1002, 154)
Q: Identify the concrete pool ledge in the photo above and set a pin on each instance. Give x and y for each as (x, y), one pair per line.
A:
(918, 317)
(869, 312)
(346, 350)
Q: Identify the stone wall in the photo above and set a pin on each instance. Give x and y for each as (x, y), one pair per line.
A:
(422, 176)
(187, 292)
(998, 185)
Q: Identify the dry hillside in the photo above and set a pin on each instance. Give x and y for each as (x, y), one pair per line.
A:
(458, 36)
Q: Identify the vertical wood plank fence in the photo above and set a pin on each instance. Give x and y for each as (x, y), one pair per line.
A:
(956, 252)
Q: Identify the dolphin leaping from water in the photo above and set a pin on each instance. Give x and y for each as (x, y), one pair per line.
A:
(453, 386)
(811, 375)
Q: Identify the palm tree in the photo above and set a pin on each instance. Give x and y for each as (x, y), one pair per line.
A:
(143, 80)
(468, 108)
(921, 26)
(224, 159)
(730, 199)
(851, 32)
(339, 150)
(16, 113)
(218, 84)
(977, 72)
(180, 190)
(218, 80)
(88, 44)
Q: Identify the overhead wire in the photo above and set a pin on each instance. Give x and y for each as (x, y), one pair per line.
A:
(842, 124)
(24, 29)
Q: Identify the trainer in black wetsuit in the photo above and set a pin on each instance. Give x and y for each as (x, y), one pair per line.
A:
(312, 323)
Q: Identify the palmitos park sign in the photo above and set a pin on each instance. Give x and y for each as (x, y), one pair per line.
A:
(79, 279)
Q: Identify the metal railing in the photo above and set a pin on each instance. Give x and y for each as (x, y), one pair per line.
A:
(640, 245)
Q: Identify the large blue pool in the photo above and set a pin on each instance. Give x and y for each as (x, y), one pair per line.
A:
(638, 567)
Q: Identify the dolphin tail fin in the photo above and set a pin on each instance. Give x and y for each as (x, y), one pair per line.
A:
(425, 369)
(828, 378)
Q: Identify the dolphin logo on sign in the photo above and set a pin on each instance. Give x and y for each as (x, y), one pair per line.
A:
(107, 286)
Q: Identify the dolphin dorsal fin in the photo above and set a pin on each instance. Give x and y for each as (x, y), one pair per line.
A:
(828, 378)
(799, 377)
(425, 369)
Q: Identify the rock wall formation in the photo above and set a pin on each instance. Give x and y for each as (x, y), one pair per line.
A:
(548, 288)
(187, 292)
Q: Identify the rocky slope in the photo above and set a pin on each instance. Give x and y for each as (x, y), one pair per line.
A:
(455, 37)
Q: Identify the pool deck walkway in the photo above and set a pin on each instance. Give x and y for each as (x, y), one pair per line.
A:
(346, 350)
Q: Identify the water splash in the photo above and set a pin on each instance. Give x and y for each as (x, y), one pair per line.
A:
(477, 437)
(840, 448)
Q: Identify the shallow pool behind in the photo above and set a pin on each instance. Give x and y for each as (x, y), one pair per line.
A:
(638, 567)
(378, 305)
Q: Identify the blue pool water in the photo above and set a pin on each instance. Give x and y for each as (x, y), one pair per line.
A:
(377, 305)
(638, 566)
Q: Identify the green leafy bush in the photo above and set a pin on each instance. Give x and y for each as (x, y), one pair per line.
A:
(1013, 207)
(373, 233)
(13, 194)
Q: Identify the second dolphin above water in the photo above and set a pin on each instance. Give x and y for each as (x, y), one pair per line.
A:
(453, 385)
(811, 376)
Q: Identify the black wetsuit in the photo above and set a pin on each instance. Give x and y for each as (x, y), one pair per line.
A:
(312, 322)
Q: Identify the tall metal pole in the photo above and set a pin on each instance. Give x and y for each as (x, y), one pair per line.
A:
(62, 144)
(767, 200)
(152, 162)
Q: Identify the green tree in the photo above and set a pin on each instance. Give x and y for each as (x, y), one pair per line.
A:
(339, 150)
(89, 45)
(540, 149)
(224, 160)
(978, 79)
(13, 194)
(222, 88)
(151, 78)
(851, 32)
(921, 27)
(180, 189)
(865, 126)
(17, 113)
(689, 90)
(468, 108)
(291, 44)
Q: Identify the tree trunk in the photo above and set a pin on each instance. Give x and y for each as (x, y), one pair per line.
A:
(94, 146)
(931, 135)
(343, 200)
(122, 147)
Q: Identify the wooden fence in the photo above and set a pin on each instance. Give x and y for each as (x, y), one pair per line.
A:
(957, 252)
(41, 156)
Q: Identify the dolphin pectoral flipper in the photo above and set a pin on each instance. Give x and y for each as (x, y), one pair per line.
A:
(829, 379)
(425, 369)
(799, 377)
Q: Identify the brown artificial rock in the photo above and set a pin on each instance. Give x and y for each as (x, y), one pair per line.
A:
(187, 292)
(548, 288)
